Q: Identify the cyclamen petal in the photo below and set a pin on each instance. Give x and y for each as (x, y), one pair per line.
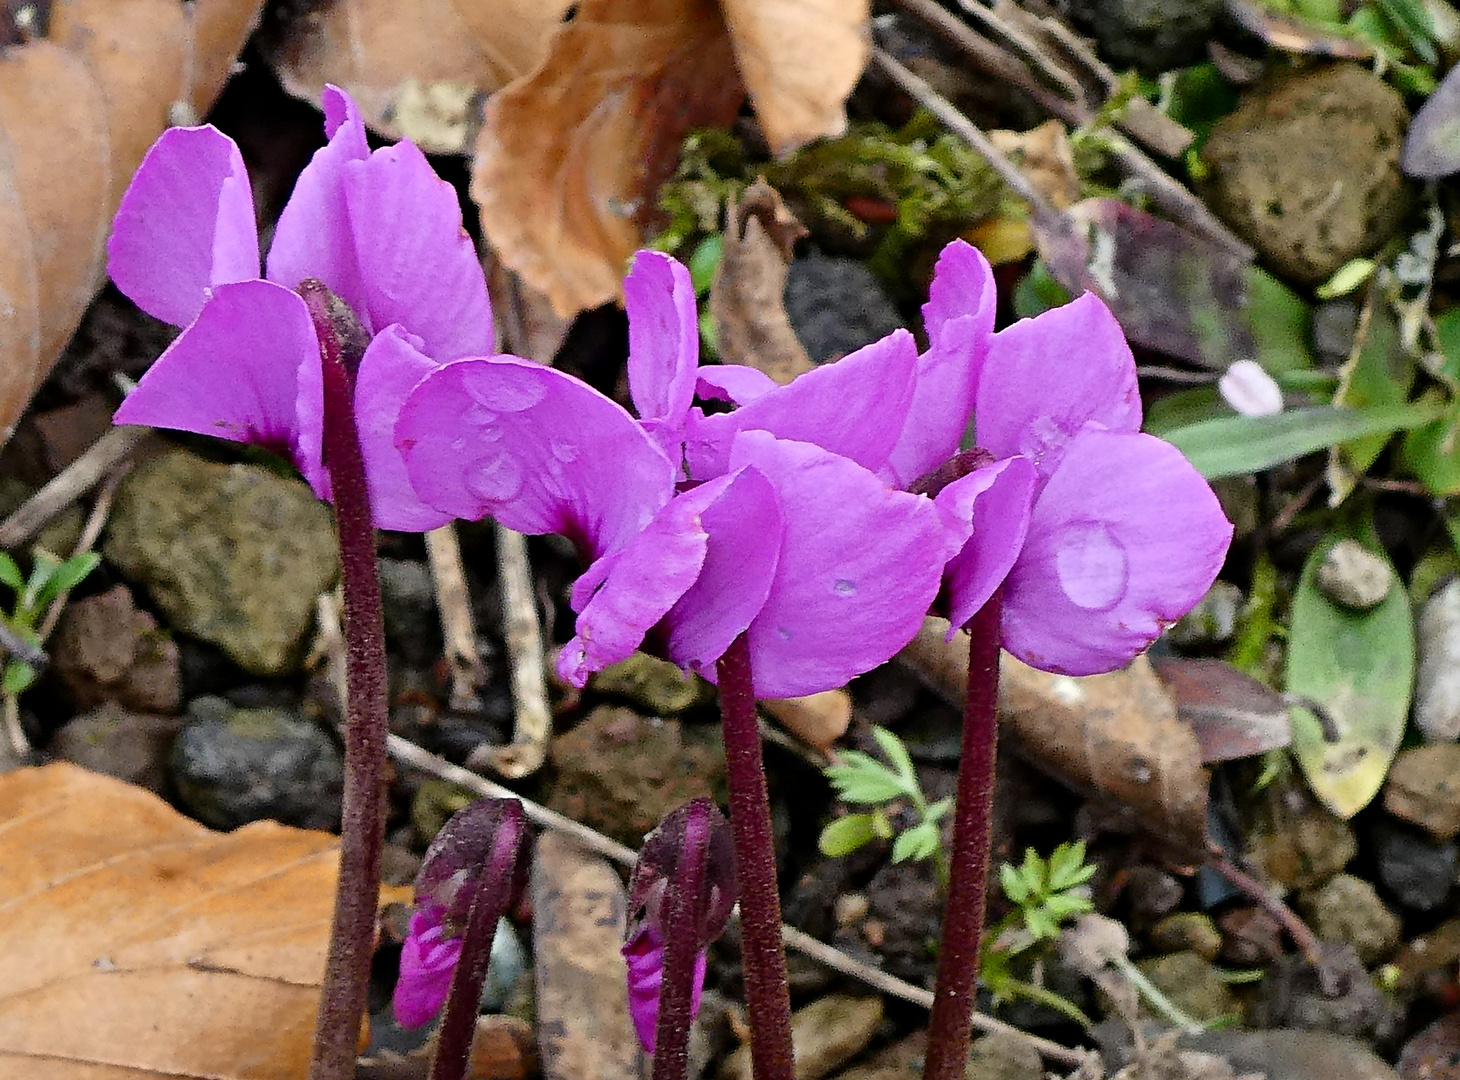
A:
(427, 965)
(664, 337)
(644, 958)
(1123, 540)
(735, 383)
(994, 502)
(185, 224)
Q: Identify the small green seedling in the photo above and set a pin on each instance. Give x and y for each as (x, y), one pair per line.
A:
(863, 780)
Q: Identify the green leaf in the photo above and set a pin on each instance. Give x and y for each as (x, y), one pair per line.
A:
(939, 809)
(67, 576)
(705, 261)
(919, 842)
(1038, 291)
(863, 779)
(1378, 374)
(1359, 666)
(1432, 454)
(10, 573)
(1247, 444)
(17, 678)
(845, 835)
(896, 754)
(1280, 322)
(1013, 884)
(1067, 866)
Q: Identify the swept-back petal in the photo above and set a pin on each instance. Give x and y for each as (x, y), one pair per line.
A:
(313, 237)
(644, 960)
(234, 373)
(1046, 377)
(536, 449)
(417, 265)
(1122, 541)
(744, 523)
(959, 318)
(184, 225)
(391, 367)
(427, 965)
(664, 337)
(735, 383)
(854, 408)
(994, 502)
(859, 565)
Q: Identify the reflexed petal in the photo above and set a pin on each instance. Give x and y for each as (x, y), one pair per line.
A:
(391, 367)
(859, 565)
(664, 337)
(185, 224)
(1124, 539)
(427, 965)
(1045, 377)
(234, 373)
(644, 959)
(855, 408)
(959, 317)
(650, 573)
(744, 524)
(417, 265)
(313, 237)
(735, 383)
(536, 449)
(995, 501)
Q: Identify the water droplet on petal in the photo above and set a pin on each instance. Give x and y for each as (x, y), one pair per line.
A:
(495, 478)
(783, 633)
(564, 451)
(845, 588)
(477, 416)
(1092, 566)
(504, 388)
(458, 444)
(1043, 442)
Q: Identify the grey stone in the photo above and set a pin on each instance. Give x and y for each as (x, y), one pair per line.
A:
(1341, 998)
(1423, 788)
(1213, 620)
(232, 766)
(1348, 909)
(1187, 931)
(836, 306)
(1193, 985)
(1437, 678)
(1152, 35)
(826, 1034)
(408, 598)
(232, 554)
(1417, 872)
(112, 740)
(1354, 577)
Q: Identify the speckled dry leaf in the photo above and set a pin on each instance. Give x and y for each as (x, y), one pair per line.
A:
(800, 60)
(138, 944)
(416, 69)
(1114, 736)
(746, 298)
(570, 156)
(78, 108)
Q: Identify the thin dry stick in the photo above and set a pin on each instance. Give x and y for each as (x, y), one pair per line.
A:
(1297, 929)
(90, 532)
(533, 720)
(70, 484)
(458, 629)
(408, 753)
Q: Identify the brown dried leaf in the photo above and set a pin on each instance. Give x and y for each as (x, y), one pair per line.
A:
(746, 298)
(1116, 736)
(799, 61)
(78, 109)
(818, 720)
(416, 69)
(138, 943)
(1232, 714)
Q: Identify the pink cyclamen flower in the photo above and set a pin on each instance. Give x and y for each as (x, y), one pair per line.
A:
(428, 959)
(379, 229)
(1101, 536)
(644, 958)
(783, 519)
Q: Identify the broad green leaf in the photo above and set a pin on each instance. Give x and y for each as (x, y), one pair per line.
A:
(1432, 453)
(1359, 666)
(919, 842)
(1236, 445)
(10, 573)
(845, 835)
(1180, 409)
(705, 261)
(896, 753)
(1378, 374)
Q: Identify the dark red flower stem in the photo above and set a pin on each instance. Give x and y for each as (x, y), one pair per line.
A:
(362, 824)
(685, 905)
(763, 957)
(492, 900)
(963, 918)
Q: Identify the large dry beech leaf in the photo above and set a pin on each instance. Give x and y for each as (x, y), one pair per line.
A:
(416, 69)
(570, 156)
(135, 943)
(78, 108)
(1113, 736)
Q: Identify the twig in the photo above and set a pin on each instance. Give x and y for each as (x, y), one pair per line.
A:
(408, 753)
(1283, 915)
(90, 532)
(528, 749)
(458, 629)
(21, 649)
(70, 484)
(1028, 48)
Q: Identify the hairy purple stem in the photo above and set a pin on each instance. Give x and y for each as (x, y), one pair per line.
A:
(492, 900)
(958, 956)
(767, 994)
(685, 906)
(362, 824)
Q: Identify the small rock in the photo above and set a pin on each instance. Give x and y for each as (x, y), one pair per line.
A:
(1294, 1055)
(1192, 983)
(1151, 35)
(1309, 846)
(233, 554)
(433, 803)
(130, 746)
(1430, 959)
(1354, 577)
(1187, 931)
(107, 650)
(1250, 937)
(1348, 909)
(1423, 788)
(903, 1060)
(1152, 892)
(1434, 1053)
(1416, 871)
(825, 1035)
(836, 306)
(1437, 679)
(232, 766)
(1342, 999)
(1003, 1056)
(620, 772)
(1306, 168)
(1335, 324)
(506, 965)
(1213, 621)
(503, 1048)
(654, 685)
(408, 600)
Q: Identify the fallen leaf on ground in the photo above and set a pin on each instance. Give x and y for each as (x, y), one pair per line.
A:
(416, 70)
(1233, 715)
(818, 720)
(1114, 736)
(79, 105)
(136, 943)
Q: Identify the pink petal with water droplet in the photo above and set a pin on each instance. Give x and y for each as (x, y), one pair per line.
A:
(994, 502)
